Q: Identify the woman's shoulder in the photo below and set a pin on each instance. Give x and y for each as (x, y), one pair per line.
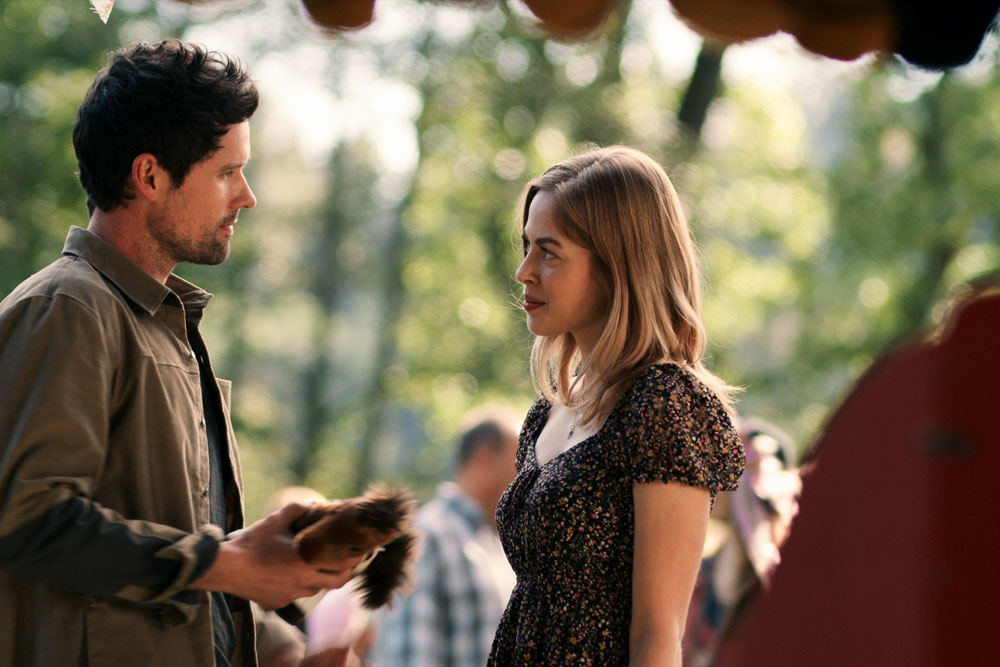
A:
(669, 392)
(540, 407)
(667, 380)
(680, 430)
(537, 413)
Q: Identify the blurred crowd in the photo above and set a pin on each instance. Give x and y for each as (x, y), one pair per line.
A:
(463, 580)
(746, 531)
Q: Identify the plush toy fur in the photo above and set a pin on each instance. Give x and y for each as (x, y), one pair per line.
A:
(336, 530)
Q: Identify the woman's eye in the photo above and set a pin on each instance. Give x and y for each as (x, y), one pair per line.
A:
(546, 254)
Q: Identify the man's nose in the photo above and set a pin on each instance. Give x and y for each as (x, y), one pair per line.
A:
(248, 199)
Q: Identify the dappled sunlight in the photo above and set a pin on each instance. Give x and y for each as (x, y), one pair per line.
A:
(373, 283)
(844, 216)
(873, 292)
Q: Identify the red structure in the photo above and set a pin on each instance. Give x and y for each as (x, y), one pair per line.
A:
(928, 34)
(893, 557)
(934, 35)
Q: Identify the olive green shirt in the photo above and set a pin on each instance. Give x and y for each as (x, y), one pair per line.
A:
(104, 468)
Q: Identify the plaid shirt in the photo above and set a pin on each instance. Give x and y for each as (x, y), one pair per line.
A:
(463, 582)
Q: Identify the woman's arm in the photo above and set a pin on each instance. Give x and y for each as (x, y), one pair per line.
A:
(670, 524)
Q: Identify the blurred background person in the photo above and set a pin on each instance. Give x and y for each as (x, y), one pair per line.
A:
(747, 529)
(279, 643)
(340, 630)
(462, 577)
(337, 630)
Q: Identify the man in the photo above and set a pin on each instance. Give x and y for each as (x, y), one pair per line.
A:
(463, 579)
(119, 474)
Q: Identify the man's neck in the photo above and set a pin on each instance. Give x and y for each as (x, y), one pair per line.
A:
(127, 233)
(473, 490)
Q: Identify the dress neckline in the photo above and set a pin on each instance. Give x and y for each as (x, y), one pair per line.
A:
(534, 441)
(613, 415)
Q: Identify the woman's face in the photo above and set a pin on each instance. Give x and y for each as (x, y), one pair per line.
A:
(563, 290)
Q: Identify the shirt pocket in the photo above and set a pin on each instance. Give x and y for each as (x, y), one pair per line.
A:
(121, 633)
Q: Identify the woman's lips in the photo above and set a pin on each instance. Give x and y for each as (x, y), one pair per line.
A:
(531, 304)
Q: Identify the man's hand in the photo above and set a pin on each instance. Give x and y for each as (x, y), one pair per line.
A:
(259, 563)
(335, 656)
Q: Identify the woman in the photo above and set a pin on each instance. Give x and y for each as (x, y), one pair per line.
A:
(623, 452)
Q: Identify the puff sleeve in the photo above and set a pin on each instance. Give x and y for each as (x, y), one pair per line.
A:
(679, 431)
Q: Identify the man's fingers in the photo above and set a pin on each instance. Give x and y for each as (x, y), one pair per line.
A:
(331, 657)
(338, 580)
(341, 565)
(277, 600)
(291, 511)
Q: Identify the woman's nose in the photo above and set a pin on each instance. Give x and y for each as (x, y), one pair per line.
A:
(524, 273)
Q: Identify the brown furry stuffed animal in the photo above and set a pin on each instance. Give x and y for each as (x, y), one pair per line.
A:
(376, 524)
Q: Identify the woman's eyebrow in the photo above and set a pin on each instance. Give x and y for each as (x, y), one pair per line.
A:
(543, 240)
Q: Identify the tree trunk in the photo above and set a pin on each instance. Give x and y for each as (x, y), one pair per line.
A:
(375, 400)
(324, 280)
(702, 89)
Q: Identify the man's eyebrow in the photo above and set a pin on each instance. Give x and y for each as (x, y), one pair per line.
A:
(231, 166)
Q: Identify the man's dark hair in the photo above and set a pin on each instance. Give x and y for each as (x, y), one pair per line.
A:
(172, 99)
(489, 433)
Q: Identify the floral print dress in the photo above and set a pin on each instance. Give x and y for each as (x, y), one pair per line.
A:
(567, 526)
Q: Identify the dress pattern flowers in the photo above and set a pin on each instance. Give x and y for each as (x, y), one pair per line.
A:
(567, 526)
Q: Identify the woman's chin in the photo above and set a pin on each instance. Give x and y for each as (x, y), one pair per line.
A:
(539, 329)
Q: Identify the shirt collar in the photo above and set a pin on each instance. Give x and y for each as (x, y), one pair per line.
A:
(147, 292)
(462, 505)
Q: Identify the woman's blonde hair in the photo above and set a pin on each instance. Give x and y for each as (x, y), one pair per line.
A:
(618, 203)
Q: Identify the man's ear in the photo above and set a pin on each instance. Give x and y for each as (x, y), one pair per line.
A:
(149, 179)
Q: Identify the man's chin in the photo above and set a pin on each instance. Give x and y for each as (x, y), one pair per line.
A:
(216, 254)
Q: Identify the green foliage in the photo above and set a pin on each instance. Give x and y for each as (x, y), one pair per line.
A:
(816, 270)
(42, 72)
(49, 52)
(362, 313)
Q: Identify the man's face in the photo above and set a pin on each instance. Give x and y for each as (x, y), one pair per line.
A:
(195, 221)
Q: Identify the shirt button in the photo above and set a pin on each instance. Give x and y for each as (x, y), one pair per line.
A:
(201, 423)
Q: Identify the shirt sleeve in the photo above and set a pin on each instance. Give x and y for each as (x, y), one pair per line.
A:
(680, 432)
(416, 631)
(56, 371)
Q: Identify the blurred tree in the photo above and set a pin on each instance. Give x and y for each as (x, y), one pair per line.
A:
(915, 215)
(346, 210)
(362, 313)
(816, 268)
(702, 88)
(49, 52)
(497, 107)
